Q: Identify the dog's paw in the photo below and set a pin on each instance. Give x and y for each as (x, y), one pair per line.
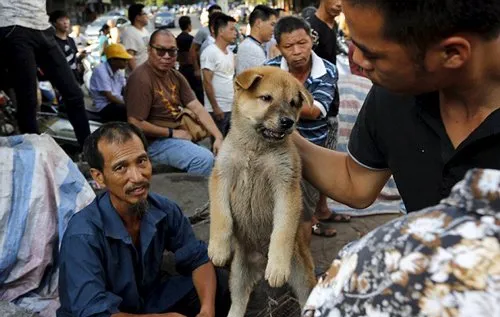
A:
(277, 275)
(219, 252)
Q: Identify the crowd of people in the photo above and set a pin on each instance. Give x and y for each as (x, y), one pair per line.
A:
(431, 116)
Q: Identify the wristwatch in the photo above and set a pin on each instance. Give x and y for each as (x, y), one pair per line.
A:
(170, 132)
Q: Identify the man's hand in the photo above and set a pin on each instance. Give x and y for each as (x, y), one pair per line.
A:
(218, 113)
(216, 147)
(181, 134)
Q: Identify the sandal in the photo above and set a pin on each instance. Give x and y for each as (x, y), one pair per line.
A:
(321, 230)
(335, 217)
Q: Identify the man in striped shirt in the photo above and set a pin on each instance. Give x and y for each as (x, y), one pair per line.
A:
(293, 36)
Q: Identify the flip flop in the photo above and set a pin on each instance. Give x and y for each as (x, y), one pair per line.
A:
(321, 230)
(335, 217)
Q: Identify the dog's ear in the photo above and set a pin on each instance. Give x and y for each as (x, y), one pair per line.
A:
(307, 98)
(248, 78)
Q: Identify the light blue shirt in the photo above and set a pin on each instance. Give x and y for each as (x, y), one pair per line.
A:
(103, 80)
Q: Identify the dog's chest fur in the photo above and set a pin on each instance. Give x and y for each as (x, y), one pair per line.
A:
(253, 177)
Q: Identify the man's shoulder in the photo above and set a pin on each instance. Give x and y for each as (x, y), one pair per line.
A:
(275, 61)
(87, 221)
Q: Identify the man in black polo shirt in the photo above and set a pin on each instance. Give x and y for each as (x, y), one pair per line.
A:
(61, 23)
(184, 41)
(434, 111)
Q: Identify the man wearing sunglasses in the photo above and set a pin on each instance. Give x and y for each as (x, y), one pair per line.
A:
(156, 93)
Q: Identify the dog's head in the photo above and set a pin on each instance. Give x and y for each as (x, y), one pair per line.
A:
(268, 100)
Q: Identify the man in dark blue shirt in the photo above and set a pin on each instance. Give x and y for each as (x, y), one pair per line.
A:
(112, 250)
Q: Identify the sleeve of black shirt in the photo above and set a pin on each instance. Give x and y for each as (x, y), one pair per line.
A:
(363, 144)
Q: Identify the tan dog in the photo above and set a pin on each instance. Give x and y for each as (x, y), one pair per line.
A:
(255, 194)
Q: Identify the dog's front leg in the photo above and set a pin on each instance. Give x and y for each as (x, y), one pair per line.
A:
(221, 221)
(286, 216)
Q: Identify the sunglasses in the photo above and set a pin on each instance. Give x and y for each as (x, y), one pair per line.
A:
(160, 51)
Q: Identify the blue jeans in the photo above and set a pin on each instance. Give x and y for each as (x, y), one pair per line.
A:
(182, 154)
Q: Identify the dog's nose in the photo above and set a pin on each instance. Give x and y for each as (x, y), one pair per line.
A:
(286, 123)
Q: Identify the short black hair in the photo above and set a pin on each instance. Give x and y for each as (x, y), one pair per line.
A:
(290, 24)
(261, 12)
(184, 22)
(56, 15)
(221, 22)
(421, 23)
(214, 7)
(134, 10)
(163, 31)
(112, 132)
(104, 28)
(211, 20)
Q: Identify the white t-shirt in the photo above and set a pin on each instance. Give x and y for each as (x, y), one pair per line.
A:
(136, 40)
(250, 54)
(214, 59)
(27, 13)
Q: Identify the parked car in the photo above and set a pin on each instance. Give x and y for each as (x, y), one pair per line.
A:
(92, 31)
(165, 19)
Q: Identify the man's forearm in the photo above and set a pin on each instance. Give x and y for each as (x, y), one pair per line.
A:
(205, 282)
(150, 129)
(115, 99)
(195, 57)
(336, 175)
(209, 90)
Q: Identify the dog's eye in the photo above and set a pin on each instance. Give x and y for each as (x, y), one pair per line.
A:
(266, 98)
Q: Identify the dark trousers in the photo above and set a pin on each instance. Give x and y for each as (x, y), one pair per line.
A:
(190, 305)
(112, 112)
(23, 50)
(188, 72)
(224, 124)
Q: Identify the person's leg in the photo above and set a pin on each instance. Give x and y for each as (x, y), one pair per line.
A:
(182, 154)
(19, 46)
(226, 124)
(113, 112)
(54, 65)
(310, 196)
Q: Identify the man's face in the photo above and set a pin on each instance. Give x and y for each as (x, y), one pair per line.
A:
(142, 18)
(267, 28)
(126, 172)
(164, 44)
(119, 63)
(228, 33)
(386, 63)
(296, 48)
(63, 25)
(333, 7)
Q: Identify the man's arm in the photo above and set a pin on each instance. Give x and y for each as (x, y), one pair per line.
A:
(191, 257)
(112, 98)
(338, 176)
(205, 118)
(155, 131)
(208, 76)
(310, 112)
(194, 54)
(205, 283)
